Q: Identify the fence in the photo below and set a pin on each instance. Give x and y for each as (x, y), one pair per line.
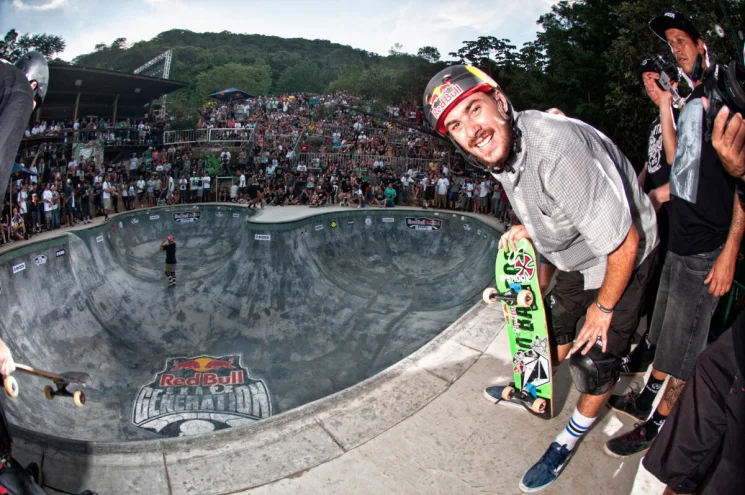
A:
(221, 135)
(359, 163)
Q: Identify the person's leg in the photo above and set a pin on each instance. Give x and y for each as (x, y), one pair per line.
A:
(685, 451)
(680, 338)
(15, 109)
(595, 373)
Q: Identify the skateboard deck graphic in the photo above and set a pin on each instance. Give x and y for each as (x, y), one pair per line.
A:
(517, 288)
(61, 382)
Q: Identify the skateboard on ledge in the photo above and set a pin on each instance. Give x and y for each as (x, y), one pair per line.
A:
(516, 275)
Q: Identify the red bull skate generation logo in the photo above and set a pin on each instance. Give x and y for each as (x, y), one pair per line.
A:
(199, 395)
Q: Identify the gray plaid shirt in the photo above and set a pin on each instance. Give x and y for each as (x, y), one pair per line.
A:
(577, 195)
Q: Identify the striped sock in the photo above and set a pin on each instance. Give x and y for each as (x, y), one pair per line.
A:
(574, 430)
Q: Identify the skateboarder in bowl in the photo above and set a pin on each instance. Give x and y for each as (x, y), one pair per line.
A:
(578, 200)
(169, 246)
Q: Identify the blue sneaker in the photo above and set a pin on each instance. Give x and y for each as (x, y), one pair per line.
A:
(545, 471)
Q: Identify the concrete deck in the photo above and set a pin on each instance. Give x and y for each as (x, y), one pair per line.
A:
(420, 426)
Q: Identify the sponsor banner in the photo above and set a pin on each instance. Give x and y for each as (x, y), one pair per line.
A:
(60, 252)
(263, 237)
(99, 238)
(219, 214)
(40, 260)
(368, 221)
(236, 215)
(467, 227)
(350, 222)
(483, 235)
(422, 223)
(319, 227)
(121, 225)
(388, 220)
(154, 217)
(478, 232)
(113, 228)
(493, 243)
(333, 224)
(187, 216)
(199, 395)
(19, 267)
(135, 221)
(304, 233)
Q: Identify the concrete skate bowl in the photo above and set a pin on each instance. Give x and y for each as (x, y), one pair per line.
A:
(267, 325)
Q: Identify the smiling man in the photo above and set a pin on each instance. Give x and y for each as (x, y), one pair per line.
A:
(580, 203)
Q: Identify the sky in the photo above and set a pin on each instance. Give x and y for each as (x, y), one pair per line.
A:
(374, 26)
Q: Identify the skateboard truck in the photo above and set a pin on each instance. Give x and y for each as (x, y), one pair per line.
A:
(522, 299)
(61, 382)
(527, 397)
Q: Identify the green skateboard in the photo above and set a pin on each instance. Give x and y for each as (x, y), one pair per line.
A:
(517, 288)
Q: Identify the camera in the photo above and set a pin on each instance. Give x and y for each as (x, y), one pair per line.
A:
(723, 85)
(668, 74)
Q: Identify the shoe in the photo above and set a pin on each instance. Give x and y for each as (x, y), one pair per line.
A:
(545, 471)
(630, 443)
(626, 404)
(494, 393)
(638, 362)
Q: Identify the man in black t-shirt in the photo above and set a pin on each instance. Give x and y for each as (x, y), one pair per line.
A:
(169, 246)
(254, 194)
(706, 228)
(700, 449)
(655, 180)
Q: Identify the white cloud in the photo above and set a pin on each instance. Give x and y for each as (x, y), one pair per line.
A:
(49, 5)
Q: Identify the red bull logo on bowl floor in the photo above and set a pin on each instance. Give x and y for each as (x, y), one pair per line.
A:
(199, 395)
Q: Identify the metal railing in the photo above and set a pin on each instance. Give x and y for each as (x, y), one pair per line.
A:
(360, 163)
(220, 135)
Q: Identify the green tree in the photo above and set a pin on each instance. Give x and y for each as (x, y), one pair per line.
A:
(13, 45)
(305, 76)
(256, 79)
(429, 53)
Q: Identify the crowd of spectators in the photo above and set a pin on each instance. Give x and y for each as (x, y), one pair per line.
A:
(298, 154)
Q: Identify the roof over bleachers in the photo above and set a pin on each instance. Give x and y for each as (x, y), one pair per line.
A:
(99, 89)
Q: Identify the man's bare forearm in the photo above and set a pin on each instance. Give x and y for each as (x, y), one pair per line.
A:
(669, 134)
(620, 266)
(736, 228)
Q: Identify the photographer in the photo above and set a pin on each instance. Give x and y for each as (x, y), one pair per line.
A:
(705, 429)
(706, 228)
(655, 180)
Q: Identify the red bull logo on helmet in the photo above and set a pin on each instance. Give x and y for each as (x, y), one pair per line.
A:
(442, 96)
(191, 393)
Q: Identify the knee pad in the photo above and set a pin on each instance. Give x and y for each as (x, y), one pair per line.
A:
(596, 372)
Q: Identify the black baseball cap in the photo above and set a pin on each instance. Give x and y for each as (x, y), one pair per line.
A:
(673, 20)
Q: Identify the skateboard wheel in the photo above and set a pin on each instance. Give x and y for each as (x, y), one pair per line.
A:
(11, 386)
(78, 397)
(539, 405)
(507, 393)
(49, 392)
(524, 298)
(487, 295)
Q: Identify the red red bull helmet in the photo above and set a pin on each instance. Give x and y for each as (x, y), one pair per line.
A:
(170, 238)
(448, 88)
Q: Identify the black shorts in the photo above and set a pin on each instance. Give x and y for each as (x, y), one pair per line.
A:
(700, 448)
(568, 302)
